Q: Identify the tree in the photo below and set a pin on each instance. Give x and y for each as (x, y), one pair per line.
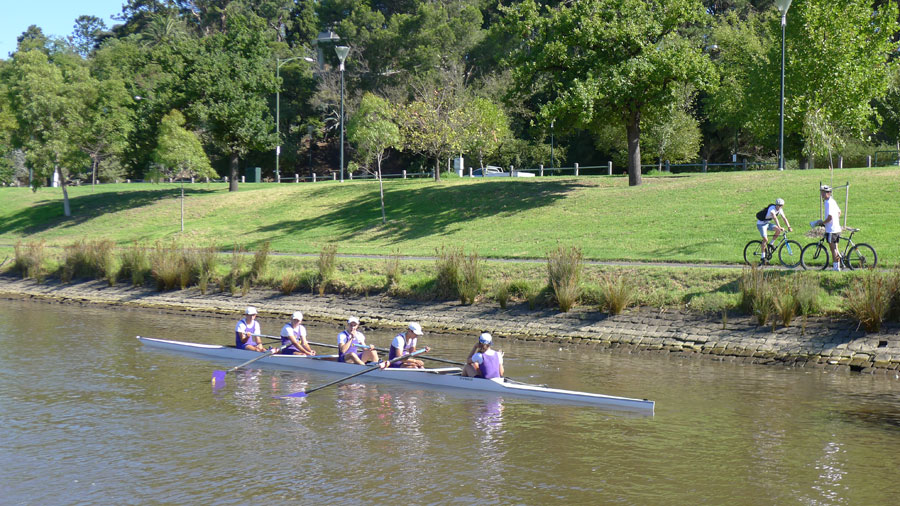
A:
(179, 153)
(48, 107)
(229, 81)
(486, 127)
(429, 125)
(594, 61)
(373, 130)
(87, 34)
(103, 130)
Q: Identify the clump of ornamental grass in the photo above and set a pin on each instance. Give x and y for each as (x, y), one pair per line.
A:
(564, 268)
(30, 260)
(260, 261)
(869, 299)
(326, 265)
(89, 259)
(757, 294)
(502, 293)
(471, 278)
(392, 271)
(168, 266)
(616, 292)
(448, 265)
(289, 282)
(235, 273)
(134, 263)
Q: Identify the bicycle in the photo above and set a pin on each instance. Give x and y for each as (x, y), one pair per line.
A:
(788, 251)
(816, 255)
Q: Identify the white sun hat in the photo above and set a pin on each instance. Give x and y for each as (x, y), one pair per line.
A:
(485, 338)
(297, 316)
(416, 328)
(251, 310)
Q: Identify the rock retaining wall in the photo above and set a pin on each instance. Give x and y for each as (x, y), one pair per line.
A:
(821, 341)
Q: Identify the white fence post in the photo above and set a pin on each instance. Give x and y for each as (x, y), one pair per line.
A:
(576, 168)
(841, 161)
(296, 177)
(333, 176)
(404, 173)
(704, 165)
(243, 179)
(542, 170)
(314, 177)
(609, 168)
(868, 160)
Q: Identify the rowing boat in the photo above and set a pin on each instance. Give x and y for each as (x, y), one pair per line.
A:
(440, 377)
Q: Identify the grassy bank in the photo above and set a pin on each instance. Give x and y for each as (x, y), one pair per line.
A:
(705, 218)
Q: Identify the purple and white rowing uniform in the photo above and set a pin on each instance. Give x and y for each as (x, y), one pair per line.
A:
(287, 332)
(342, 338)
(242, 328)
(399, 347)
(488, 364)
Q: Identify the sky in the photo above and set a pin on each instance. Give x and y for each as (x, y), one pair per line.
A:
(55, 17)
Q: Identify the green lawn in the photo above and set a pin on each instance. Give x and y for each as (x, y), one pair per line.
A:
(679, 218)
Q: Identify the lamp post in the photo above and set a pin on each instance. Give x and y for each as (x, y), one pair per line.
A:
(342, 52)
(783, 6)
(552, 161)
(278, 63)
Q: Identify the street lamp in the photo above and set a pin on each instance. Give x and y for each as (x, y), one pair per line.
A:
(342, 52)
(278, 63)
(783, 6)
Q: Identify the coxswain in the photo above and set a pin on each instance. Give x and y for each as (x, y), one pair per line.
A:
(484, 362)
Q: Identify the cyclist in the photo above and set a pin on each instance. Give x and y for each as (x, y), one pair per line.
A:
(832, 223)
(766, 224)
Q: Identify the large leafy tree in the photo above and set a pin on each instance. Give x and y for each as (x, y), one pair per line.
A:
(374, 131)
(486, 127)
(48, 105)
(596, 61)
(229, 81)
(102, 131)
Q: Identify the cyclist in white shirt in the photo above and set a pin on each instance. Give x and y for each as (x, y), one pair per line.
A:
(765, 225)
(832, 223)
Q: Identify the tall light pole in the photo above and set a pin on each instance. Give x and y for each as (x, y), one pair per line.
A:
(278, 63)
(342, 52)
(783, 6)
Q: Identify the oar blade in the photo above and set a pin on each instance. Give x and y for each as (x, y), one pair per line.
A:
(295, 394)
(218, 379)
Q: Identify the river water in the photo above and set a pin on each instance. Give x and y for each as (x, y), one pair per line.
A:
(91, 417)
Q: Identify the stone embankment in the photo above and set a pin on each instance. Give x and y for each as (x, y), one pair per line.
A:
(820, 342)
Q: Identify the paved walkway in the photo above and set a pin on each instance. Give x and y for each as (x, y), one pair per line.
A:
(821, 342)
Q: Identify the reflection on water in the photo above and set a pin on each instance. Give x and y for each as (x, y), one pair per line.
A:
(89, 420)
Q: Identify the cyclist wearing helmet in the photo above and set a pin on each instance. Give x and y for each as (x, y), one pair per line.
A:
(832, 223)
(765, 225)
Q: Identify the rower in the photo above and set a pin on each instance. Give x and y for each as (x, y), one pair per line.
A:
(293, 337)
(351, 341)
(404, 343)
(483, 362)
(246, 333)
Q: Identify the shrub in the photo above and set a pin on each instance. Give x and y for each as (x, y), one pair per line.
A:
(471, 278)
(869, 299)
(260, 260)
(30, 259)
(616, 293)
(786, 304)
(235, 272)
(326, 265)
(168, 266)
(449, 260)
(564, 267)
(135, 263)
(808, 294)
(757, 296)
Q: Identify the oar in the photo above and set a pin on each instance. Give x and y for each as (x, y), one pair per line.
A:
(218, 377)
(370, 369)
(310, 342)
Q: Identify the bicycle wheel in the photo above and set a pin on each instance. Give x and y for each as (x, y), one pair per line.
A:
(814, 256)
(789, 254)
(752, 252)
(861, 256)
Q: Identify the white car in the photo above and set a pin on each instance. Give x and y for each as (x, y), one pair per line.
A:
(492, 171)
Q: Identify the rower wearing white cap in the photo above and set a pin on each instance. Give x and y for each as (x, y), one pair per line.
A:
(351, 342)
(246, 333)
(293, 337)
(404, 343)
(483, 362)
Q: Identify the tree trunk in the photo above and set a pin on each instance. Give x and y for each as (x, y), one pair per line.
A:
(182, 204)
(437, 168)
(233, 163)
(67, 211)
(634, 149)
(93, 172)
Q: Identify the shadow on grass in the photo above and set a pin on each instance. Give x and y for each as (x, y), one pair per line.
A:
(417, 212)
(48, 215)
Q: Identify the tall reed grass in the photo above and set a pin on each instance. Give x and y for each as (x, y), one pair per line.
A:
(135, 263)
(564, 268)
(326, 265)
(869, 298)
(90, 259)
(616, 292)
(392, 271)
(260, 261)
(471, 278)
(168, 266)
(448, 265)
(31, 260)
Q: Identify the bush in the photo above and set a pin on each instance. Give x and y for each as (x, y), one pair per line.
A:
(869, 299)
(392, 271)
(501, 294)
(135, 263)
(89, 259)
(449, 260)
(564, 267)
(757, 294)
(169, 267)
(326, 265)
(235, 272)
(30, 260)
(288, 283)
(616, 293)
(471, 278)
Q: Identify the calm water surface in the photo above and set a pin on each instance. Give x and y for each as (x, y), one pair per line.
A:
(90, 417)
